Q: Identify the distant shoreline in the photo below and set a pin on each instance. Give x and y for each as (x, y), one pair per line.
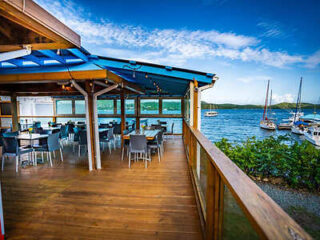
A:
(284, 105)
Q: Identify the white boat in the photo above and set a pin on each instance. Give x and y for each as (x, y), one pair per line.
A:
(298, 129)
(211, 114)
(313, 135)
(267, 123)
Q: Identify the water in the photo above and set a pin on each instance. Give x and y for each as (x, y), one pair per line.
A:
(238, 124)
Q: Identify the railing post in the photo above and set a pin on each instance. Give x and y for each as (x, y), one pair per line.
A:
(210, 201)
(214, 203)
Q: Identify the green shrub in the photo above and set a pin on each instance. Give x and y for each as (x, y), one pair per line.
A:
(297, 164)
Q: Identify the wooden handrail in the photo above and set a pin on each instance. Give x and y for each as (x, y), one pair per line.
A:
(267, 217)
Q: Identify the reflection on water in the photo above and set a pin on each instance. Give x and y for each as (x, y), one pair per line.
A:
(238, 124)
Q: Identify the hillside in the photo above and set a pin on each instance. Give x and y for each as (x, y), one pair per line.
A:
(284, 105)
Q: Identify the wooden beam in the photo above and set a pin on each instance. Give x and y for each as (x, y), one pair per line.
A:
(14, 112)
(125, 84)
(53, 76)
(31, 16)
(35, 46)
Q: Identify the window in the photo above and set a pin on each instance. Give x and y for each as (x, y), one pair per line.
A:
(129, 106)
(80, 107)
(105, 106)
(171, 106)
(64, 107)
(172, 124)
(149, 106)
(43, 109)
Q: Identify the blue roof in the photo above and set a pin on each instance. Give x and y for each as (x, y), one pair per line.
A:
(151, 77)
(315, 117)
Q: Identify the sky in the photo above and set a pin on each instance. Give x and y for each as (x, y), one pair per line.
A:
(245, 43)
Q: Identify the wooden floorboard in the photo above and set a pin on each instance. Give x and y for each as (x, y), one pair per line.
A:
(69, 202)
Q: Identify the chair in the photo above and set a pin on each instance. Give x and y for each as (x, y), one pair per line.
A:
(82, 141)
(63, 134)
(11, 149)
(37, 125)
(106, 138)
(51, 146)
(138, 146)
(10, 134)
(156, 145)
(171, 130)
(75, 137)
(117, 130)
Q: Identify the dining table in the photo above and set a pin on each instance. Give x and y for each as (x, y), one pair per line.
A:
(150, 134)
(31, 136)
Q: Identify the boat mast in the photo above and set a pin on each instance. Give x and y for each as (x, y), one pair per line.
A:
(270, 101)
(298, 105)
(266, 103)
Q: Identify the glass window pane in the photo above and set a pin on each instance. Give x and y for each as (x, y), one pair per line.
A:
(80, 107)
(171, 106)
(172, 124)
(64, 106)
(149, 106)
(235, 223)
(105, 106)
(129, 106)
(43, 109)
(65, 120)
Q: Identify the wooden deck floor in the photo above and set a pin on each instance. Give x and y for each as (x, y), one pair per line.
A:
(69, 202)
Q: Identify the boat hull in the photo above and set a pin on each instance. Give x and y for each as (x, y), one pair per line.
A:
(313, 140)
(211, 114)
(297, 131)
(267, 125)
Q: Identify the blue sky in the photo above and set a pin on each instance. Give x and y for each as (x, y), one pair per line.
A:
(244, 42)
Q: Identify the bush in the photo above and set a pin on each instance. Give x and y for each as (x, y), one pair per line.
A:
(297, 164)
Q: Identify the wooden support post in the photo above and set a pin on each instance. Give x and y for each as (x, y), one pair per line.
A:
(115, 107)
(91, 123)
(123, 117)
(195, 105)
(137, 112)
(160, 106)
(14, 112)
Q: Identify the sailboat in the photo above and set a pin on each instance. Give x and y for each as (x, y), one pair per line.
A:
(211, 113)
(267, 123)
(299, 127)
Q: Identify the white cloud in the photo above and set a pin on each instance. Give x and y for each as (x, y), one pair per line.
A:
(166, 45)
(313, 60)
(288, 97)
(271, 29)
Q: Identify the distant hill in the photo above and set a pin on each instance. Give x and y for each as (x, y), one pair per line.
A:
(284, 105)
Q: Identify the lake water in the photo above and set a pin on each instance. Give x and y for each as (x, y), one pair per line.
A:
(238, 124)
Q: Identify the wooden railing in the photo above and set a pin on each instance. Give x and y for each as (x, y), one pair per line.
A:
(231, 205)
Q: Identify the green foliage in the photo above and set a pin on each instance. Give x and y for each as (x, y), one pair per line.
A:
(297, 164)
